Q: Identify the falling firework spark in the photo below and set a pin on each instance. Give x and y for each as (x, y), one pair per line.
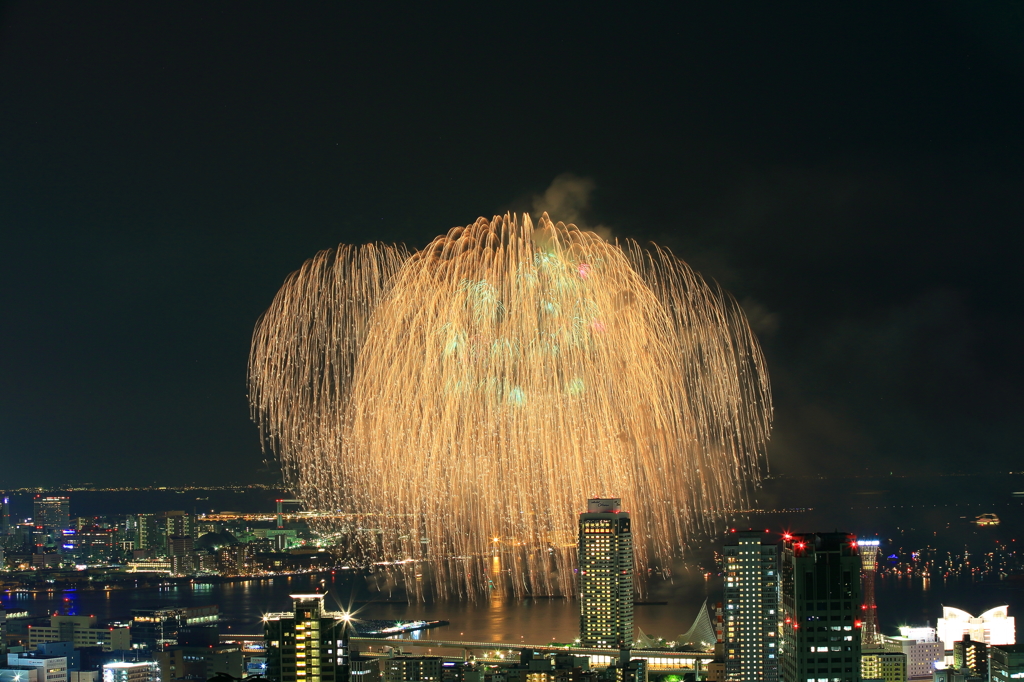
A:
(461, 402)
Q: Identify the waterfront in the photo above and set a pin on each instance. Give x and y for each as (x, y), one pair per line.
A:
(900, 601)
(908, 514)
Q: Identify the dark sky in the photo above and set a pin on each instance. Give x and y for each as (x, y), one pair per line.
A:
(852, 172)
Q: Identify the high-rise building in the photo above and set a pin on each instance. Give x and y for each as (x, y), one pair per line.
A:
(149, 535)
(307, 644)
(179, 523)
(751, 607)
(51, 516)
(821, 606)
(5, 515)
(606, 576)
(877, 664)
(971, 655)
(52, 512)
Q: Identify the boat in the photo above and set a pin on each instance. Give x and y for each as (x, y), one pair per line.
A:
(987, 520)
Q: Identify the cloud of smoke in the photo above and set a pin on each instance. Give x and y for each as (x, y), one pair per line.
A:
(567, 199)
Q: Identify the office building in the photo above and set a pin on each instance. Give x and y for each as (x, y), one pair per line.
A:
(307, 644)
(139, 671)
(18, 674)
(606, 576)
(994, 626)
(5, 515)
(412, 669)
(48, 668)
(821, 602)
(751, 607)
(1006, 662)
(51, 515)
(158, 628)
(199, 662)
(924, 653)
(65, 650)
(81, 631)
(890, 666)
(971, 655)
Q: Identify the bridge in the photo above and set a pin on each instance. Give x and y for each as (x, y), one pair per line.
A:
(663, 661)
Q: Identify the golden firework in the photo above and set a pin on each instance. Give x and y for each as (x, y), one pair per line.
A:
(462, 402)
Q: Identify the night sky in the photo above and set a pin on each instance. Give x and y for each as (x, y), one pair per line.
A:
(852, 173)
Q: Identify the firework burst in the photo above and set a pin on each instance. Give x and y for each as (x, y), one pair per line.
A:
(460, 403)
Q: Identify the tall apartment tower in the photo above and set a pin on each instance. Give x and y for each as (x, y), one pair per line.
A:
(307, 644)
(821, 608)
(751, 607)
(606, 576)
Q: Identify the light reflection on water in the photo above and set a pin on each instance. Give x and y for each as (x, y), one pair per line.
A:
(500, 619)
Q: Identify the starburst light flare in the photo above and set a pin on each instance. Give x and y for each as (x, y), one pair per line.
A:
(457, 405)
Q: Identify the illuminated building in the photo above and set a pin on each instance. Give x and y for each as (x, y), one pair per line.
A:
(821, 594)
(149, 537)
(154, 531)
(606, 576)
(412, 669)
(751, 607)
(871, 637)
(81, 631)
(51, 516)
(307, 644)
(890, 666)
(628, 670)
(18, 674)
(157, 628)
(924, 653)
(992, 627)
(200, 662)
(5, 515)
(122, 671)
(48, 668)
(971, 655)
(1006, 662)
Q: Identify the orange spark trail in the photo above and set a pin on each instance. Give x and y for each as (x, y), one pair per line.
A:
(463, 401)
